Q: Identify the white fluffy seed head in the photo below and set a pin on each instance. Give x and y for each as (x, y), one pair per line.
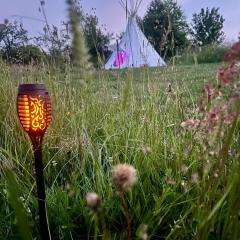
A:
(124, 176)
(93, 201)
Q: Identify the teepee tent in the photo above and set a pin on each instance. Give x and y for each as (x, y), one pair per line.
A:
(133, 50)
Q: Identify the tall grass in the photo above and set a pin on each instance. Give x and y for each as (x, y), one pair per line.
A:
(117, 117)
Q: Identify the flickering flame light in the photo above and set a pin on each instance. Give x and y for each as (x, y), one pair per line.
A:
(35, 114)
(34, 108)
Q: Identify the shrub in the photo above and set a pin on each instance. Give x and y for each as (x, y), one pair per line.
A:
(24, 55)
(207, 54)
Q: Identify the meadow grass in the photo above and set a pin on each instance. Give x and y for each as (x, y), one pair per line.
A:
(113, 117)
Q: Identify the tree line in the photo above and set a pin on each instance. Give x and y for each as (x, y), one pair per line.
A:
(166, 27)
(164, 24)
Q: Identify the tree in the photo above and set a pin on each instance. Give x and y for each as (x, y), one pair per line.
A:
(54, 42)
(165, 26)
(206, 27)
(12, 36)
(97, 41)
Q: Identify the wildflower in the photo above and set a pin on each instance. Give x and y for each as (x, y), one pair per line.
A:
(213, 114)
(233, 53)
(190, 124)
(195, 177)
(208, 89)
(93, 201)
(124, 176)
(228, 118)
(170, 181)
(218, 93)
(226, 74)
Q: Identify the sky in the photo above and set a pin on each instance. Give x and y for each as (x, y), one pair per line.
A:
(111, 13)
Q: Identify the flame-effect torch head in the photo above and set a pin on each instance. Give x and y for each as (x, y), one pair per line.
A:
(34, 108)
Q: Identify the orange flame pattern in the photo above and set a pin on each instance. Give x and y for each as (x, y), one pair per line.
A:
(38, 121)
(34, 112)
(24, 111)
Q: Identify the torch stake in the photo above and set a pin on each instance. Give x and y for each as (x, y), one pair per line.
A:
(44, 230)
(35, 114)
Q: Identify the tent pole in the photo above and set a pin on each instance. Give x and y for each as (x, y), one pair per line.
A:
(118, 55)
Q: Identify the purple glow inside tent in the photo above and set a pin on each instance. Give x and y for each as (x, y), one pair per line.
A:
(120, 59)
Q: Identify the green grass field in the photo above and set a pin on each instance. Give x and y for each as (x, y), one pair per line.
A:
(117, 117)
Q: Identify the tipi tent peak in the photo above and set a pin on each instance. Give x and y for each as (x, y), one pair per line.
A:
(134, 49)
(134, 5)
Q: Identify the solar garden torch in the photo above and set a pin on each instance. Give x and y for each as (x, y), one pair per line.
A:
(35, 114)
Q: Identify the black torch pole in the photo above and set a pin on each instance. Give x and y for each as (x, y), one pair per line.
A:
(44, 230)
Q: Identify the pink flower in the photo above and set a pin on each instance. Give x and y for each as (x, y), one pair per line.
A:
(208, 89)
(227, 74)
(228, 118)
(213, 114)
(233, 53)
(218, 93)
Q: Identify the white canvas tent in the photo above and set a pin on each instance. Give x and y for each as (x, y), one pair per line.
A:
(133, 50)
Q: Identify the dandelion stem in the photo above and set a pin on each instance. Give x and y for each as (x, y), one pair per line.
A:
(127, 215)
(104, 228)
(95, 226)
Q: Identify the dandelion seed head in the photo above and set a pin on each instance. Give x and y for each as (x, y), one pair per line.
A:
(124, 176)
(195, 177)
(93, 201)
